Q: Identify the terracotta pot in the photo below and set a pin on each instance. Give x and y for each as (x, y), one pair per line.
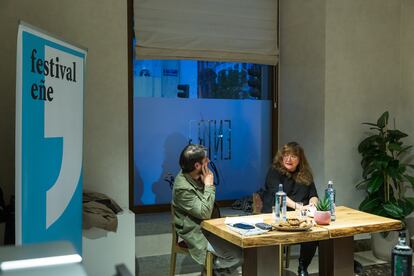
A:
(322, 217)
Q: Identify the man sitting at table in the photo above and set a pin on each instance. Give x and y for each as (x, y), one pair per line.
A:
(193, 201)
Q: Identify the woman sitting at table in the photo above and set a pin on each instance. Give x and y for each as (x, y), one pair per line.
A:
(291, 169)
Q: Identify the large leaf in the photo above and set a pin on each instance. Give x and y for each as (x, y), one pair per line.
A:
(374, 164)
(401, 170)
(367, 143)
(382, 162)
(380, 212)
(406, 206)
(370, 124)
(371, 156)
(400, 178)
(375, 183)
(403, 150)
(366, 160)
(394, 147)
(395, 134)
(361, 183)
(410, 179)
(393, 210)
(410, 200)
(375, 128)
(367, 171)
(370, 204)
(393, 168)
(383, 120)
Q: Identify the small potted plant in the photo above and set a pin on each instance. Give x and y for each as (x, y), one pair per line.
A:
(323, 213)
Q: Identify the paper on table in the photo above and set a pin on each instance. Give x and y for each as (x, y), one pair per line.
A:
(230, 221)
(247, 232)
(248, 220)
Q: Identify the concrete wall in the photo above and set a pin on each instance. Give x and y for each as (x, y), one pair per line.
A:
(101, 26)
(356, 77)
(407, 67)
(362, 81)
(405, 113)
(302, 63)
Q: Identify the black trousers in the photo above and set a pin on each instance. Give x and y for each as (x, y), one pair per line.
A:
(307, 251)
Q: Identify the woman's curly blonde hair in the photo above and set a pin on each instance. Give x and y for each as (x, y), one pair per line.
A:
(303, 173)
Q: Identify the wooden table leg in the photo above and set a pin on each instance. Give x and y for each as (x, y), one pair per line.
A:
(336, 257)
(263, 261)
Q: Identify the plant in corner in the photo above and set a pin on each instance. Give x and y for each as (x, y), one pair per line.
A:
(323, 214)
(385, 174)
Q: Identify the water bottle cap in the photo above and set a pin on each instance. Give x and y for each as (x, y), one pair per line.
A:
(330, 182)
(402, 234)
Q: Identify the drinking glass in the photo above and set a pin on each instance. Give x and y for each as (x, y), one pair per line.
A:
(274, 213)
(300, 210)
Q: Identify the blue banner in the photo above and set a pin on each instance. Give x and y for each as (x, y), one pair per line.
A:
(49, 138)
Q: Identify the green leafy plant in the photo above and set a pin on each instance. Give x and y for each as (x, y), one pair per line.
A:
(384, 172)
(323, 205)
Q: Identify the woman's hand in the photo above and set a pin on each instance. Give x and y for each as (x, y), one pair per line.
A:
(313, 201)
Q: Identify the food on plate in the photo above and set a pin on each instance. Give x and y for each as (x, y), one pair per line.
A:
(295, 223)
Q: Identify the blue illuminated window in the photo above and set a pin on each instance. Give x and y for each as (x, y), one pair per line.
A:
(224, 106)
(200, 79)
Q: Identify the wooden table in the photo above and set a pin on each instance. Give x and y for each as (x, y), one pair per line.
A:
(261, 252)
(336, 255)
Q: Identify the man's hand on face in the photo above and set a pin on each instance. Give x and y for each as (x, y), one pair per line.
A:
(206, 175)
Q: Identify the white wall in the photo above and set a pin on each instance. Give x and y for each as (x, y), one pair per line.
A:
(101, 26)
(358, 77)
(405, 113)
(362, 81)
(103, 250)
(302, 64)
(407, 67)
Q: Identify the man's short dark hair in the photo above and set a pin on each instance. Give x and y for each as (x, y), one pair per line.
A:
(190, 155)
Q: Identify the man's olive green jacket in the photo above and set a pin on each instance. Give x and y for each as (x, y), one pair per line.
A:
(192, 203)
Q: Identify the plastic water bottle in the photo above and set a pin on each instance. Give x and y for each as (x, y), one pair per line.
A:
(401, 260)
(280, 204)
(330, 195)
